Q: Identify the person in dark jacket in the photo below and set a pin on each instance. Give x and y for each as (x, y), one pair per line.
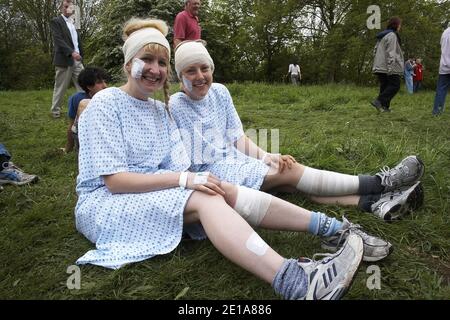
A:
(388, 64)
(67, 56)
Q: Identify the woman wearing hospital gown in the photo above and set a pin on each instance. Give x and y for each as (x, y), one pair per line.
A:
(136, 195)
(215, 141)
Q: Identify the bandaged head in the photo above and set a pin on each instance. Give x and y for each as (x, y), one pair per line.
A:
(191, 52)
(140, 38)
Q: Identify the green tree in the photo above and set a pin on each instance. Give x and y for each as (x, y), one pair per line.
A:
(105, 45)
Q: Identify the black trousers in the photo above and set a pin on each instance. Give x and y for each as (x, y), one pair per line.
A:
(389, 86)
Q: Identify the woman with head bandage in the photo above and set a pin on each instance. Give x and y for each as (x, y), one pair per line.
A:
(213, 136)
(133, 180)
(136, 193)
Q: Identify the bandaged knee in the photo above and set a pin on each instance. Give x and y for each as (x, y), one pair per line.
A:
(252, 205)
(326, 183)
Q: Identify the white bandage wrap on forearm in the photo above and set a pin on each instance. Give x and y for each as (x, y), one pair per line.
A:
(326, 183)
(252, 205)
(182, 182)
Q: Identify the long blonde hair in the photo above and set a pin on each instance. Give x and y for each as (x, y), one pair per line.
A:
(135, 24)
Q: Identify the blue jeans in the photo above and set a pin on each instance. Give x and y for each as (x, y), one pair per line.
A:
(4, 157)
(441, 93)
(409, 83)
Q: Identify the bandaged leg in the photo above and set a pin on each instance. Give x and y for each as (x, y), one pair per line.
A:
(252, 205)
(327, 183)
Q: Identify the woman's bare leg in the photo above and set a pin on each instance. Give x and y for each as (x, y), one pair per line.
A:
(281, 215)
(351, 200)
(233, 236)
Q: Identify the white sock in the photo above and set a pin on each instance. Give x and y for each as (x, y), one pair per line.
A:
(326, 183)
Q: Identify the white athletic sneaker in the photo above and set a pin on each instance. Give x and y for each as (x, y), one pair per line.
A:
(375, 248)
(394, 204)
(406, 173)
(331, 277)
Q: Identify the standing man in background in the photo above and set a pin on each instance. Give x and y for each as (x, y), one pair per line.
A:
(443, 84)
(67, 55)
(186, 25)
(295, 72)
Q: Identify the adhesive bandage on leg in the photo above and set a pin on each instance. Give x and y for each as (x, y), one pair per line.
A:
(326, 183)
(256, 245)
(136, 68)
(252, 205)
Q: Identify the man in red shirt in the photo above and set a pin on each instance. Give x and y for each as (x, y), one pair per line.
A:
(186, 23)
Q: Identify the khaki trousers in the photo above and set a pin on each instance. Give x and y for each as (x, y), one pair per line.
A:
(62, 81)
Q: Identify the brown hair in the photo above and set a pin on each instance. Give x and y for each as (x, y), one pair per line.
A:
(394, 23)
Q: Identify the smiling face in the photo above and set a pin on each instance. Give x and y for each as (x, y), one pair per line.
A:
(197, 79)
(153, 71)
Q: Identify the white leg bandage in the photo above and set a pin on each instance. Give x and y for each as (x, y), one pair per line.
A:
(256, 245)
(326, 183)
(252, 205)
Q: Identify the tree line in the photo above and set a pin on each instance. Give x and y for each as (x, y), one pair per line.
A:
(249, 40)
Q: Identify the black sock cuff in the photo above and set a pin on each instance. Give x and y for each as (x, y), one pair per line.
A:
(366, 201)
(369, 184)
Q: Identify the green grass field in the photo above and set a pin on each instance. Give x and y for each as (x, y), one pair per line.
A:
(329, 127)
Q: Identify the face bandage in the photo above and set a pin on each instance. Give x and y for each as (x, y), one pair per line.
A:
(256, 245)
(139, 39)
(137, 68)
(187, 84)
(252, 205)
(201, 178)
(191, 52)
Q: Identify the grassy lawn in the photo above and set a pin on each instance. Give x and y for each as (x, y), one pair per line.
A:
(329, 127)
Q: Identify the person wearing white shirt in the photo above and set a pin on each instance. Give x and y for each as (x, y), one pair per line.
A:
(294, 71)
(67, 56)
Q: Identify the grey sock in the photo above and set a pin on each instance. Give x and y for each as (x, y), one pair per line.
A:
(369, 184)
(366, 201)
(291, 280)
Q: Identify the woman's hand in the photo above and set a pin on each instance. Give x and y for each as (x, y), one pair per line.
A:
(279, 161)
(204, 182)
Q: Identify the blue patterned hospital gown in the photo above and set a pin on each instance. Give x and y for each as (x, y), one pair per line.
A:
(119, 133)
(209, 128)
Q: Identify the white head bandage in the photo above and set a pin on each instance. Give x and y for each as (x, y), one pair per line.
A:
(137, 40)
(191, 52)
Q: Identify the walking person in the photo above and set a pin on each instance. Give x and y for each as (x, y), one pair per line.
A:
(388, 64)
(443, 84)
(295, 72)
(67, 57)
